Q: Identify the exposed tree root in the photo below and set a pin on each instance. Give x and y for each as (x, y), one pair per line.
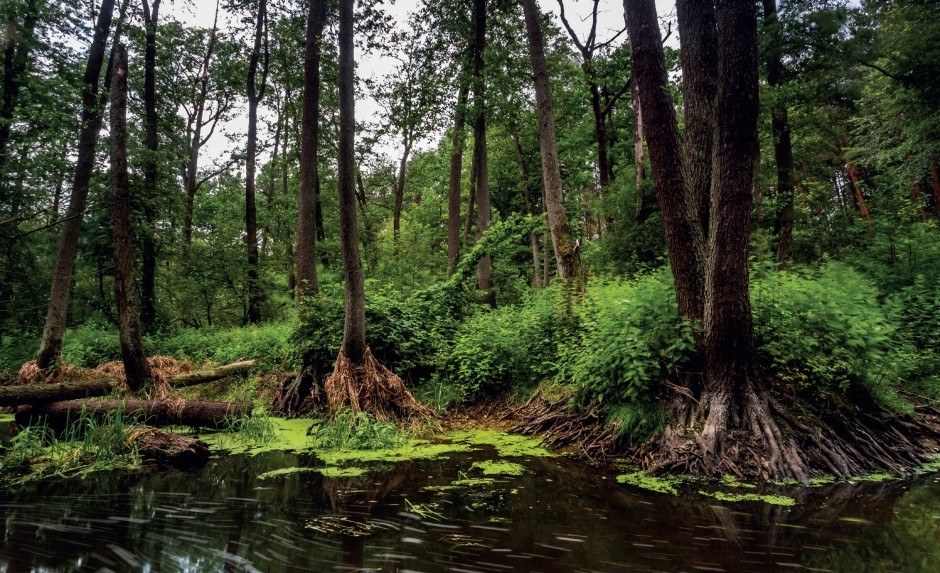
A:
(752, 435)
(300, 394)
(370, 387)
(561, 424)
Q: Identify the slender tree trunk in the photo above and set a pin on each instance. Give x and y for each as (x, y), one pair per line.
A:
(857, 186)
(308, 199)
(136, 369)
(456, 174)
(682, 234)
(68, 243)
(255, 95)
(566, 250)
(600, 126)
(780, 125)
(471, 200)
(638, 156)
(354, 328)
(192, 165)
(19, 44)
(527, 193)
(148, 310)
(400, 191)
(485, 266)
(917, 194)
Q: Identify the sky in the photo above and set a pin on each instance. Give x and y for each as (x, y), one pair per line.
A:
(200, 13)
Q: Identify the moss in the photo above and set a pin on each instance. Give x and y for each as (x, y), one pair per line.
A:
(822, 480)
(651, 483)
(499, 468)
(770, 499)
(507, 445)
(930, 467)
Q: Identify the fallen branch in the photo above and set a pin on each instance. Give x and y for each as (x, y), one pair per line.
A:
(193, 413)
(203, 376)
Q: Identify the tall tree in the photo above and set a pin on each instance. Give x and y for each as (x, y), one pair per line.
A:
(90, 125)
(309, 196)
(259, 57)
(567, 256)
(20, 37)
(152, 142)
(480, 161)
(136, 369)
(456, 173)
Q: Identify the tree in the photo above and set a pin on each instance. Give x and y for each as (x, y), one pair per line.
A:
(456, 173)
(309, 196)
(90, 125)
(16, 55)
(136, 369)
(359, 381)
(566, 251)
(479, 165)
(256, 89)
(152, 141)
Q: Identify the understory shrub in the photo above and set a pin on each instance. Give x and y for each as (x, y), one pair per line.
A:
(268, 343)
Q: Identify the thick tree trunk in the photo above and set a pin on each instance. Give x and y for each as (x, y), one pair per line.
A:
(567, 256)
(780, 125)
(354, 329)
(662, 138)
(148, 309)
(255, 95)
(136, 368)
(480, 160)
(169, 449)
(527, 193)
(47, 393)
(456, 174)
(90, 125)
(152, 412)
(19, 44)
(309, 196)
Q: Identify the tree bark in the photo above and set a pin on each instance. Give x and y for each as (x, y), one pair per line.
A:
(480, 160)
(638, 156)
(151, 412)
(863, 211)
(308, 198)
(527, 193)
(210, 375)
(567, 257)
(19, 45)
(456, 174)
(90, 125)
(935, 180)
(681, 232)
(148, 310)
(400, 191)
(47, 393)
(255, 95)
(354, 328)
(780, 125)
(136, 368)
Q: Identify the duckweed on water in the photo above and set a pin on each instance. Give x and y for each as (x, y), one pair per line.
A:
(770, 499)
(507, 445)
(651, 483)
(334, 472)
(499, 468)
(286, 471)
(733, 481)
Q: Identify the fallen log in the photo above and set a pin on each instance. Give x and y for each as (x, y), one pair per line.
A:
(36, 394)
(195, 413)
(46, 393)
(169, 449)
(203, 376)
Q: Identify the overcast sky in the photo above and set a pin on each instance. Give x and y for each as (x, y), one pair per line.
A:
(200, 13)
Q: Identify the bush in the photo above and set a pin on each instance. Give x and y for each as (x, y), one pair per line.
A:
(510, 347)
(268, 343)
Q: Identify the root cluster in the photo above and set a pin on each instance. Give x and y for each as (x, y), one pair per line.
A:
(370, 387)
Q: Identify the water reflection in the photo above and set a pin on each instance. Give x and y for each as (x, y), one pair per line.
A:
(406, 517)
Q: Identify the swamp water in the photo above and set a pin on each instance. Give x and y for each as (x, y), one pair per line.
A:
(476, 505)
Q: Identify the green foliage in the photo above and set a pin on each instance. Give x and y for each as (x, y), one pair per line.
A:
(268, 343)
(507, 348)
(348, 430)
(632, 339)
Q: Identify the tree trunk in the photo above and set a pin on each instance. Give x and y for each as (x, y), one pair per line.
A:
(935, 179)
(456, 174)
(47, 393)
(400, 191)
(857, 186)
(210, 375)
(68, 243)
(471, 200)
(780, 125)
(638, 157)
(195, 143)
(485, 266)
(19, 44)
(193, 413)
(136, 368)
(148, 311)
(527, 193)
(354, 329)
(308, 197)
(567, 257)
(255, 95)
(662, 138)
(600, 126)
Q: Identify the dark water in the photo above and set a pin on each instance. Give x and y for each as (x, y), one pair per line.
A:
(558, 517)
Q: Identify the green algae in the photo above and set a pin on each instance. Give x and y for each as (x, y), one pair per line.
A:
(875, 478)
(734, 482)
(335, 472)
(411, 450)
(651, 483)
(285, 471)
(499, 468)
(473, 482)
(766, 498)
(285, 435)
(7, 418)
(507, 445)
(930, 467)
